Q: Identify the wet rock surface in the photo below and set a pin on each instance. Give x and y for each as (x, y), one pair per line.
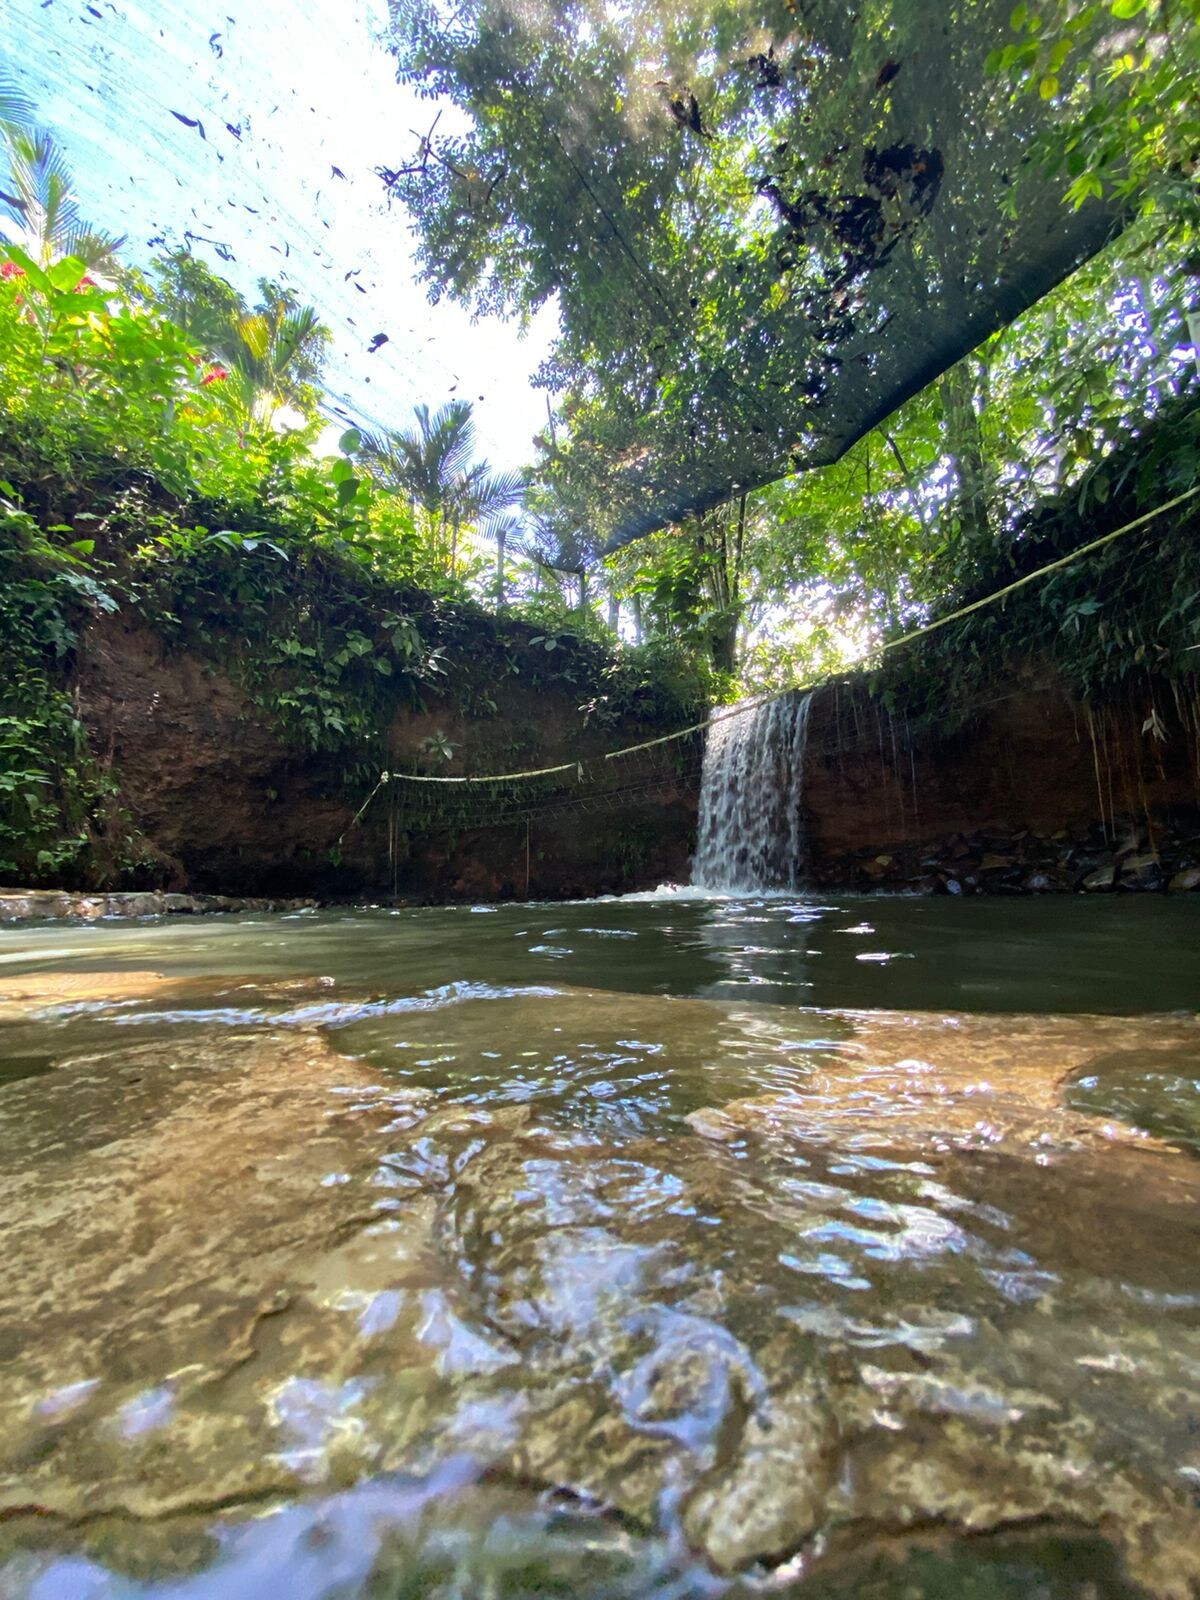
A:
(1081, 859)
(741, 1289)
(23, 994)
(35, 905)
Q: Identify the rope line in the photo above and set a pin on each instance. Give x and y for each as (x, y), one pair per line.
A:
(384, 777)
(467, 809)
(753, 702)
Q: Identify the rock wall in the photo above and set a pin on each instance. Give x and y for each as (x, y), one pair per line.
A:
(225, 805)
(1038, 792)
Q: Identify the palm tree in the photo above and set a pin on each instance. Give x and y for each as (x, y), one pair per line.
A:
(196, 299)
(433, 464)
(273, 353)
(38, 200)
(16, 112)
(278, 353)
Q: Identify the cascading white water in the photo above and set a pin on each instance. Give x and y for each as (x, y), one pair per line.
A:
(751, 826)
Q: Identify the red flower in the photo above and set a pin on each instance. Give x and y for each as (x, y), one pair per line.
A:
(86, 283)
(214, 375)
(10, 269)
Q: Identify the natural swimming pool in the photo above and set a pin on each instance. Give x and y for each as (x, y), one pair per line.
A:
(665, 1245)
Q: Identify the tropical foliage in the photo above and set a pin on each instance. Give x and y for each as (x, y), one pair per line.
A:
(39, 209)
(271, 354)
(682, 182)
(434, 465)
(162, 445)
(1132, 126)
(39, 202)
(137, 478)
(762, 226)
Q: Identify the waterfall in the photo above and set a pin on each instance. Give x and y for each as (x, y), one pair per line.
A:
(751, 829)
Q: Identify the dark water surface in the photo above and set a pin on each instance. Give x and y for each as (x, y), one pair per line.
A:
(649, 1246)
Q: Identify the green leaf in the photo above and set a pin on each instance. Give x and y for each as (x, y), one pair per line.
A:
(346, 490)
(1127, 8)
(1017, 21)
(256, 335)
(1048, 87)
(350, 442)
(29, 266)
(65, 274)
(341, 472)
(84, 546)
(1086, 184)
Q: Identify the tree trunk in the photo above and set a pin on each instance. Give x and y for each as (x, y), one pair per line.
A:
(723, 642)
(964, 444)
(720, 536)
(879, 534)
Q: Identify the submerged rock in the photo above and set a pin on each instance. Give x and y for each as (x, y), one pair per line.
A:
(961, 1083)
(27, 994)
(158, 1206)
(896, 1289)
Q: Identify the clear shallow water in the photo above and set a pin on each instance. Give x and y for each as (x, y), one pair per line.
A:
(1112, 954)
(634, 1247)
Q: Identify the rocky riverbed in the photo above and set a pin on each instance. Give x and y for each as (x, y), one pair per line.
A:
(60, 905)
(1079, 860)
(875, 1290)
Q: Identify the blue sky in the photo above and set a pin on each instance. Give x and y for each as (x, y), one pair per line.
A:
(308, 87)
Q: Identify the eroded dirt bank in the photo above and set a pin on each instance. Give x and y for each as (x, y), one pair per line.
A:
(1036, 793)
(226, 805)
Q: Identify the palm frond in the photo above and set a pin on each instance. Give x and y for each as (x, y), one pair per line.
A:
(16, 109)
(484, 496)
(94, 248)
(39, 197)
(432, 463)
(449, 439)
(256, 335)
(399, 461)
(296, 333)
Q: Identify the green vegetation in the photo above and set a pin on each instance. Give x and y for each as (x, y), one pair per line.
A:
(636, 168)
(1131, 126)
(764, 227)
(145, 470)
(163, 454)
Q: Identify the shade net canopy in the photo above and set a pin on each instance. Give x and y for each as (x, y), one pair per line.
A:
(765, 224)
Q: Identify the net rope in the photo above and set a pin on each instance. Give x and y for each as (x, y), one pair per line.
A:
(673, 775)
